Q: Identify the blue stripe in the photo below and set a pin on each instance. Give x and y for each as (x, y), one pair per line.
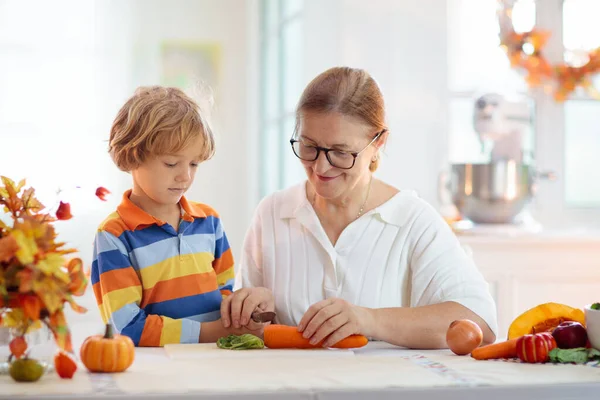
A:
(218, 230)
(135, 328)
(123, 316)
(221, 247)
(202, 225)
(207, 317)
(156, 252)
(228, 285)
(186, 306)
(190, 331)
(198, 243)
(108, 261)
(144, 237)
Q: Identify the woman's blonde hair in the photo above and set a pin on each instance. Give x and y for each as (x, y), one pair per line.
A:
(348, 91)
(155, 121)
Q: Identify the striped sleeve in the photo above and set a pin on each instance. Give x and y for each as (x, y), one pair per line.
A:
(118, 291)
(223, 263)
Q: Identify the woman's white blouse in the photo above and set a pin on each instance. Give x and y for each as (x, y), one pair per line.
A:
(400, 254)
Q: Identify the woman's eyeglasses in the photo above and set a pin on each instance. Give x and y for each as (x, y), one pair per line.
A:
(337, 158)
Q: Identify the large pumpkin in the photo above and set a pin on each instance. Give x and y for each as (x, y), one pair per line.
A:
(544, 318)
(108, 353)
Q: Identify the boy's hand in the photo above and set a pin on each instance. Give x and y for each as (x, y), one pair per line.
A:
(237, 308)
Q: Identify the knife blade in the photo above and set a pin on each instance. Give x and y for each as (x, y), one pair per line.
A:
(263, 316)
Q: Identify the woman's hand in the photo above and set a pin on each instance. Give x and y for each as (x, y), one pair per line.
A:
(332, 320)
(237, 308)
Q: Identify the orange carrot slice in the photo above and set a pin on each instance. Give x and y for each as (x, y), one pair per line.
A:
(288, 337)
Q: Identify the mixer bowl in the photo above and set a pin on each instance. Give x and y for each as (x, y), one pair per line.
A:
(491, 193)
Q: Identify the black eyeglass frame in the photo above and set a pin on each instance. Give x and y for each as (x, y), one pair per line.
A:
(326, 151)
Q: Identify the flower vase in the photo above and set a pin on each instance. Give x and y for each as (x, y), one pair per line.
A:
(40, 342)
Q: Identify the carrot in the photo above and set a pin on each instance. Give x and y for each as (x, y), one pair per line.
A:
(507, 349)
(288, 337)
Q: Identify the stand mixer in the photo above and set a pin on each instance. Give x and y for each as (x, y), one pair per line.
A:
(496, 192)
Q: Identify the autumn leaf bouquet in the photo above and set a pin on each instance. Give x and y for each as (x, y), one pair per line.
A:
(37, 277)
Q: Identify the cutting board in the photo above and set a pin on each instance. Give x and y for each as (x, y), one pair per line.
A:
(210, 350)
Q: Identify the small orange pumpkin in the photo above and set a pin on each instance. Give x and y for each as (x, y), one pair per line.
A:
(108, 353)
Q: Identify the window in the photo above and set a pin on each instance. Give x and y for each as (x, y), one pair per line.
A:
(564, 137)
(47, 68)
(281, 85)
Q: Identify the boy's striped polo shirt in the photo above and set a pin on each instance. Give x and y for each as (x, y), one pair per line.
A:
(154, 284)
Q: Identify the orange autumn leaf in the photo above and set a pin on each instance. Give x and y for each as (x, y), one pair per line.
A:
(32, 306)
(8, 248)
(64, 211)
(30, 203)
(78, 279)
(102, 192)
(62, 335)
(25, 280)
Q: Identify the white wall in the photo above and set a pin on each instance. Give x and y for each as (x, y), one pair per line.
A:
(66, 92)
(225, 182)
(403, 45)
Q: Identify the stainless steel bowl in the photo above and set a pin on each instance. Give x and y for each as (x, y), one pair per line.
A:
(492, 193)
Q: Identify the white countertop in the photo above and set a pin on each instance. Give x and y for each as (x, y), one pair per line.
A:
(187, 371)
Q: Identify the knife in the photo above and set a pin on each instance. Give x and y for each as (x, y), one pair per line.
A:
(263, 316)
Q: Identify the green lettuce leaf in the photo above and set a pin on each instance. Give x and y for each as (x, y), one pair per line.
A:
(242, 342)
(579, 355)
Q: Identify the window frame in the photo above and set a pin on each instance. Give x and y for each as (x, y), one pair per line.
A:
(268, 184)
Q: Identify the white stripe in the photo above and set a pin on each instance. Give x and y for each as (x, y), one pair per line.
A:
(108, 242)
(219, 231)
(198, 243)
(124, 315)
(206, 317)
(190, 331)
(155, 252)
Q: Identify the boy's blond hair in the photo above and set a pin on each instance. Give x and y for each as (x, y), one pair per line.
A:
(155, 121)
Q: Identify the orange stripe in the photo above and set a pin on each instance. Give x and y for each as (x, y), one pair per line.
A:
(152, 331)
(226, 292)
(115, 227)
(183, 286)
(118, 279)
(224, 262)
(97, 293)
(204, 209)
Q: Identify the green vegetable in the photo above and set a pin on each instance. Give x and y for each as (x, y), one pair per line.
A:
(243, 342)
(579, 355)
(595, 306)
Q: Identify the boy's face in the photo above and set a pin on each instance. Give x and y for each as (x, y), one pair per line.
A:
(165, 178)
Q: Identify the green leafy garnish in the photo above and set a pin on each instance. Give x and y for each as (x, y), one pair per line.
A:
(579, 355)
(595, 306)
(242, 342)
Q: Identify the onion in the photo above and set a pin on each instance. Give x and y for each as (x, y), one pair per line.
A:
(463, 336)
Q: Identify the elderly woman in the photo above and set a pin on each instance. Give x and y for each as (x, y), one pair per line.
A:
(345, 253)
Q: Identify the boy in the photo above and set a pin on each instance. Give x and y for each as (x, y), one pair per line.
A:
(162, 264)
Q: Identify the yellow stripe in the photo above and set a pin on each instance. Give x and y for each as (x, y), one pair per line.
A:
(176, 267)
(113, 301)
(171, 331)
(112, 216)
(103, 314)
(226, 275)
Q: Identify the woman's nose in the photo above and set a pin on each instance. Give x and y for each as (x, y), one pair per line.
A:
(322, 163)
